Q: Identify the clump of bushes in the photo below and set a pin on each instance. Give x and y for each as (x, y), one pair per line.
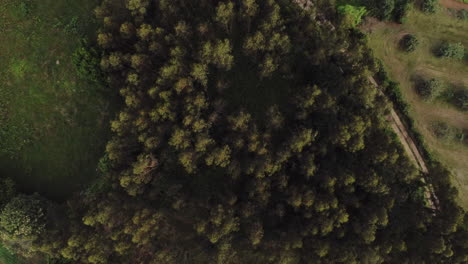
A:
(429, 6)
(24, 8)
(402, 7)
(461, 99)
(409, 43)
(352, 15)
(462, 14)
(87, 62)
(451, 50)
(24, 217)
(446, 132)
(430, 89)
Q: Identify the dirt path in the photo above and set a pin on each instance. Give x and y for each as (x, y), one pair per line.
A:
(411, 150)
(400, 129)
(453, 4)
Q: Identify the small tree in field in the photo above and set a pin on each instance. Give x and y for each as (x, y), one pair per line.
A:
(452, 50)
(430, 89)
(429, 6)
(24, 217)
(409, 43)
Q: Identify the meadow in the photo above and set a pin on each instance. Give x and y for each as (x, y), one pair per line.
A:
(443, 125)
(53, 124)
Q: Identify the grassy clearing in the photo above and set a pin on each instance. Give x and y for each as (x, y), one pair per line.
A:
(6, 257)
(53, 125)
(407, 68)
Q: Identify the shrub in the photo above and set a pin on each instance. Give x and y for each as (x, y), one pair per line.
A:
(24, 217)
(429, 6)
(463, 14)
(452, 50)
(386, 9)
(444, 131)
(409, 43)
(401, 9)
(430, 89)
(461, 99)
(24, 8)
(352, 14)
(7, 190)
(87, 62)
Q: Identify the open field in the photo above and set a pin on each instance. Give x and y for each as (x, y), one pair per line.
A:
(405, 68)
(53, 125)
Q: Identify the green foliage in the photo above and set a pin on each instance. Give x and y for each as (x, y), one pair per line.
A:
(7, 190)
(394, 10)
(72, 26)
(461, 99)
(104, 165)
(351, 13)
(24, 217)
(393, 91)
(207, 163)
(7, 257)
(462, 14)
(430, 89)
(51, 132)
(402, 7)
(451, 50)
(446, 132)
(87, 62)
(409, 43)
(196, 175)
(24, 8)
(386, 9)
(430, 6)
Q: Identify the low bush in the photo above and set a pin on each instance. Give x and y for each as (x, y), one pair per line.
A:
(352, 15)
(451, 50)
(386, 8)
(446, 132)
(429, 89)
(87, 62)
(402, 7)
(409, 43)
(24, 8)
(7, 190)
(429, 6)
(24, 217)
(462, 14)
(461, 99)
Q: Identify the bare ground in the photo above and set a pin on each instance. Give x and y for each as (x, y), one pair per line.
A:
(453, 4)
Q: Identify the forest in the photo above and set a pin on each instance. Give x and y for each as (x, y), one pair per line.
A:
(248, 132)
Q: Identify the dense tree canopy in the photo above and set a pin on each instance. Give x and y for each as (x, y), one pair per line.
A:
(250, 134)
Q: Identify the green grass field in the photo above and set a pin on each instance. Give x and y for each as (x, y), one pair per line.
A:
(431, 30)
(53, 125)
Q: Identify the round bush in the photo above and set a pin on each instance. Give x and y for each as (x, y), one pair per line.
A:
(429, 89)
(452, 50)
(462, 99)
(24, 217)
(429, 6)
(409, 43)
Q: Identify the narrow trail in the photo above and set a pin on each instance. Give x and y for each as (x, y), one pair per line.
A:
(411, 150)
